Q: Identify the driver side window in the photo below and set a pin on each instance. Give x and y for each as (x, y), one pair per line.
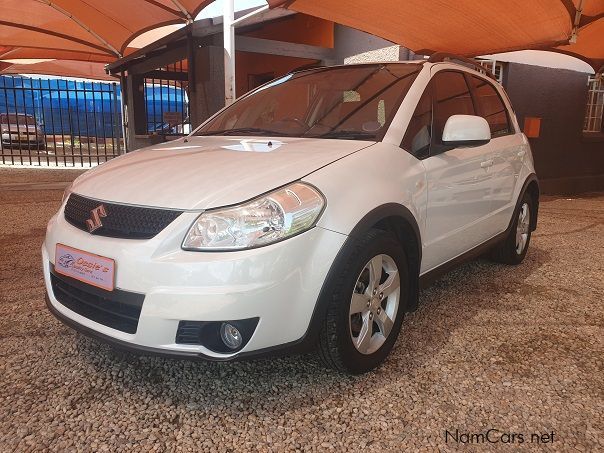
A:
(446, 95)
(451, 97)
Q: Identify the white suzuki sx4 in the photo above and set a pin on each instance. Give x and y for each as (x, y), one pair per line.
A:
(305, 216)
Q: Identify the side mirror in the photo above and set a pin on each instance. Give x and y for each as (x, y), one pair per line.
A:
(466, 130)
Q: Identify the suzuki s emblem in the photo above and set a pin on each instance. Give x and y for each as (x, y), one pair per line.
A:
(94, 222)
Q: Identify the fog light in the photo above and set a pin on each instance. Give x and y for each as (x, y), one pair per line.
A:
(231, 337)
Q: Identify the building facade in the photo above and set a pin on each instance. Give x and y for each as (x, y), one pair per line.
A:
(566, 132)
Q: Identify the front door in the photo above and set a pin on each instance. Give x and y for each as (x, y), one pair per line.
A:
(459, 179)
(508, 150)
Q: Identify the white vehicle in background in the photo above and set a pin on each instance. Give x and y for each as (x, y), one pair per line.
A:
(305, 215)
(19, 130)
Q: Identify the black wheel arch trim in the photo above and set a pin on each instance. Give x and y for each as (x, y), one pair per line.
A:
(383, 212)
(531, 178)
(372, 218)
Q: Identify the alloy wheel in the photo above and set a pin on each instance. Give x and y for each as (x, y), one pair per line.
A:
(374, 304)
(522, 228)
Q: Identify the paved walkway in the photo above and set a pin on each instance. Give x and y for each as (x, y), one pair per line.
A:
(35, 186)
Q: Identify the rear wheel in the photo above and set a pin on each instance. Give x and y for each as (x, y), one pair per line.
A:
(514, 248)
(367, 304)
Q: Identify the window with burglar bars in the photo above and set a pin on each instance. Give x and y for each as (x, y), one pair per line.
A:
(496, 67)
(594, 115)
(59, 122)
(167, 101)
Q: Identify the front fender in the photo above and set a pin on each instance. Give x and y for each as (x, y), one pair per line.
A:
(373, 180)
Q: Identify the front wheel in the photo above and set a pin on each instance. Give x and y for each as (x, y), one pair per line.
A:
(513, 249)
(366, 307)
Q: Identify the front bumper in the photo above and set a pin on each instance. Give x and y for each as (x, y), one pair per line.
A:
(279, 284)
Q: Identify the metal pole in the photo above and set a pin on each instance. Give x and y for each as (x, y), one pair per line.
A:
(115, 121)
(124, 105)
(228, 31)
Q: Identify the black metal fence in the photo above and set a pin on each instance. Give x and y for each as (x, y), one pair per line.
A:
(59, 122)
(166, 100)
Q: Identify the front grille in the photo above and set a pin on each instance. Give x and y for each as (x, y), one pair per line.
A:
(121, 221)
(117, 309)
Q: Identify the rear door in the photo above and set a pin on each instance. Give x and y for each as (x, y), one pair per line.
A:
(507, 149)
(459, 179)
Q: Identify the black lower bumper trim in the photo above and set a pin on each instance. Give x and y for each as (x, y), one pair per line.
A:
(295, 347)
(117, 309)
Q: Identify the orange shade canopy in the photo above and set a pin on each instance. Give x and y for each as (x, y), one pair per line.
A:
(472, 27)
(87, 27)
(60, 68)
(32, 53)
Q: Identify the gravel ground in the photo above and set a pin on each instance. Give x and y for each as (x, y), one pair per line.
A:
(516, 349)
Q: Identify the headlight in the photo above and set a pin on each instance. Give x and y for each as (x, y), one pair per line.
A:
(270, 218)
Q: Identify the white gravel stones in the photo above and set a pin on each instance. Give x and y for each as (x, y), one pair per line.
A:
(517, 349)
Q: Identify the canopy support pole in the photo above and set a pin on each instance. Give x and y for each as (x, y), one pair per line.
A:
(248, 15)
(183, 10)
(575, 33)
(228, 30)
(84, 26)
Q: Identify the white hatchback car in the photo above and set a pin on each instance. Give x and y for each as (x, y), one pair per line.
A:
(305, 215)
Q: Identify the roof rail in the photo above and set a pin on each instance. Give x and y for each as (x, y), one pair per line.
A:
(439, 57)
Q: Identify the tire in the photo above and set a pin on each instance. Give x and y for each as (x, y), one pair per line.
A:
(513, 249)
(343, 342)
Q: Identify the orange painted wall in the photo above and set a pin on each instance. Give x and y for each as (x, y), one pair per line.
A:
(301, 29)
(254, 63)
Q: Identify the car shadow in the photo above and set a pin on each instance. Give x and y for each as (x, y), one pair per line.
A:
(455, 300)
(257, 386)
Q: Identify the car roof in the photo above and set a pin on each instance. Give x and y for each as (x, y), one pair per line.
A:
(360, 64)
(424, 62)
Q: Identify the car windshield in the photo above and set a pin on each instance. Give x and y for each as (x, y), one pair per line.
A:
(354, 102)
(21, 120)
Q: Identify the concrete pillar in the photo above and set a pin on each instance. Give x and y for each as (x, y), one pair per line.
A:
(136, 111)
(228, 33)
(209, 84)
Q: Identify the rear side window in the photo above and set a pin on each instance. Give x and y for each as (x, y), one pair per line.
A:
(491, 107)
(451, 97)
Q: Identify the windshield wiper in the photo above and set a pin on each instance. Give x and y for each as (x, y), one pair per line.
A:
(242, 131)
(351, 135)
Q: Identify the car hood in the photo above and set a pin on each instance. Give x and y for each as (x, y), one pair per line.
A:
(209, 172)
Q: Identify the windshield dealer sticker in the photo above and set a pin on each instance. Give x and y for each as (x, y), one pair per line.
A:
(86, 267)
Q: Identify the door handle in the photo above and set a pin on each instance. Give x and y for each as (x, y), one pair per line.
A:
(487, 163)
